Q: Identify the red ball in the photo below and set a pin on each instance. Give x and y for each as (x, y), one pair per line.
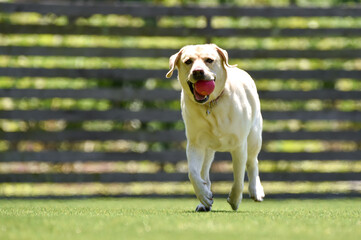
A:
(204, 87)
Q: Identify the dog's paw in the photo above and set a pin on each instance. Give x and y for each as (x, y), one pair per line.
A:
(206, 199)
(204, 195)
(257, 196)
(202, 208)
(234, 202)
(256, 192)
(235, 197)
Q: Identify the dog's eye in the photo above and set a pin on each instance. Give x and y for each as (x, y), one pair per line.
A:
(209, 60)
(189, 61)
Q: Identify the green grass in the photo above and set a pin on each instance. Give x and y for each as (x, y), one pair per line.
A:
(175, 219)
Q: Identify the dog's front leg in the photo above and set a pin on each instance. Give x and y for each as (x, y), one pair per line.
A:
(239, 159)
(196, 157)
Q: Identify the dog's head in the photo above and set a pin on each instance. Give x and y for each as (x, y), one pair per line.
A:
(200, 62)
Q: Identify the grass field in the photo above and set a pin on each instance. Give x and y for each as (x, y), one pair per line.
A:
(175, 219)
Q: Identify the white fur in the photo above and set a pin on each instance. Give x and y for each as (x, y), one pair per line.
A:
(234, 124)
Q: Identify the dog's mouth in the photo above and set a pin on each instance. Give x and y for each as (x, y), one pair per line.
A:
(199, 98)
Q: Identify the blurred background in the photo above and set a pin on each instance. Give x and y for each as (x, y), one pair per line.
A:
(85, 109)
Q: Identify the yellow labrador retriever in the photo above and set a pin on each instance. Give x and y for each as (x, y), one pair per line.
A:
(225, 117)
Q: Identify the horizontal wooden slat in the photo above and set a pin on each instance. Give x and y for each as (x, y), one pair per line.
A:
(91, 52)
(319, 135)
(87, 52)
(312, 115)
(71, 115)
(165, 135)
(172, 177)
(54, 156)
(121, 94)
(163, 115)
(158, 53)
(178, 32)
(79, 135)
(171, 156)
(141, 74)
(126, 94)
(142, 10)
(114, 74)
(293, 53)
(323, 94)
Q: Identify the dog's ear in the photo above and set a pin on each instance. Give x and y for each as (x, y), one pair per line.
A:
(173, 60)
(224, 55)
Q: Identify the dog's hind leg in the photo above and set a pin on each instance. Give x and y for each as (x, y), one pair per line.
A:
(197, 167)
(239, 158)
(255, 188)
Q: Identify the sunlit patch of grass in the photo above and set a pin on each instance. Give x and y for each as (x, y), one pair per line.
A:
(291, 84)
(137, 105)
(120, 145)
(82, 83)
(25, 18)
(54, 104)
(162, 63)
(111, 20)
(324, 3)
(311, 105)
(7, 125)
(83, 62)
(98, 20)
(348, 85)
(313, 126)
(163, 188)
(299, 43)
(96, 41)
(341, 84)
(286, 22)
(108, 125)
(94, 125)
(47, 83)
(297, 64)
(309, 166)
(94, 188)
(309, 146)
(279, 105)
(191, 22)
(83, 104)
(294, 187)
(179, 167)
(80, 167)
(294, 166)
(84, 146)
(4, 146)
(13, 125)
(348, 105)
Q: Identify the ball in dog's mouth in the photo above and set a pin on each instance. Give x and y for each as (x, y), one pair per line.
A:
(201, 89)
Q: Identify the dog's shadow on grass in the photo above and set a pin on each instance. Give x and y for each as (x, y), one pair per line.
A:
(217, 212)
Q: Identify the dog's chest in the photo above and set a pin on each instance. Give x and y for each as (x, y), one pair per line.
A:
(220, 132)
(219, 141)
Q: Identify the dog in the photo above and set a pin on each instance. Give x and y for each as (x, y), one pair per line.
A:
(225, 119)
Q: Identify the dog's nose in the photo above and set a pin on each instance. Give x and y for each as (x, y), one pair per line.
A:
(198, 74)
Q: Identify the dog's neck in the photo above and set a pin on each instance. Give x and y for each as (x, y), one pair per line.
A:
(213, 103)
